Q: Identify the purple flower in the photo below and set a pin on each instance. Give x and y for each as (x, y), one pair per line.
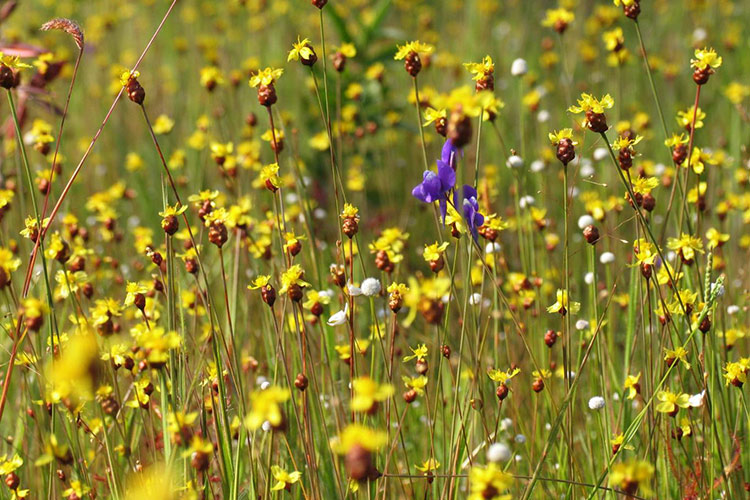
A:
(435, 186)
(465, 201)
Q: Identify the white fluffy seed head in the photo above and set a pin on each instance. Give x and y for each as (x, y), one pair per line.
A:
(498, 452)
(585, 220)
(370, 287)
(607, 258)
(519, 67)
(514, 161)
(596, 403)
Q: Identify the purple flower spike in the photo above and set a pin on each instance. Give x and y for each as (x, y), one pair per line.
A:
(466, 199)
(435, 187)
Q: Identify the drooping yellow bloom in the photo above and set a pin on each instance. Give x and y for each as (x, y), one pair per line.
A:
(265, 405)
(292, 276)
(501, 376)
(300, 50)
(632, 383)
(489, 483)
(556, 18)
(480, 69)
(367, 393)
(562, 305)
(634, 475)
(358, 435)
(284, 479)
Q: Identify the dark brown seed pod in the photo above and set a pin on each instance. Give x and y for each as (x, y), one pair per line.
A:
(538, 385)
(591, 233)
(550, 337)
(301, 382)
(502, 392)
(566, 151)
(413, 63)
(267, 95)
(597, 122)
(268, 294)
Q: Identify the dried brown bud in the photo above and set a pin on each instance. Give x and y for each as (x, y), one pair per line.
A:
(591, 233)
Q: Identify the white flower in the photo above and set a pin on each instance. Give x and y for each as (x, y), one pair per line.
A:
(696, 400)
(526, 201)
(519, 67)
(493, 247)
(588, 278)
(475, 299)
(537, 166)
(733, 309)
(514, 161)
(600, 154)
(585, 220)
(266, 426)
(265, 385)
(353, 290)
(520, 438)
(596, 403)
(506, 424)
(370, 287)
(339, 318)
(542, 116)
(607, 258)
(498, 452)
(582, 324)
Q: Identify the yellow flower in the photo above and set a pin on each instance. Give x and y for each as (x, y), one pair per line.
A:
(676, 140)
(260, 282)
(671, 402)
(13, 62)
(126, 76)
(292, 276)
(558, 18)
(350, 212)
(132, 289)
(699, 158)
(706, 58)
(428, 466)
(614, 39)
(587, 102)
(679, 353)
(10, 465)
(488, 483)
(632, 385)
(432, 114)
(210, 77)
(163, 125)
(716, 238)
(413, 46)
(265, 406)
(283, 478)
(502, 377)
(633, 475)
(435, 251)
(358, 435)
(737, 92)
(270, 174)
(416, 383)
(300, 50)
(686, 246)
(266, 76)
(685, 118)
(420, 353)
(367, 393)
(644, 185)
(626, 142)
(347, 49)
(481, 69)
(562, 305)
(558, 135)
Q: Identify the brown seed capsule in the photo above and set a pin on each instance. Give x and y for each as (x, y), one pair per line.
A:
(217, 234)
(311, 59)
(12, 481)
(200, 461)
(705, 325)
(268, 294)
(486, 82)
(437, 265)
(679, 154)
(633, 10)
(395, 302)
(597, 122)
(301, 382)
(459, 128)
(295, 292)
(350, 227)
(591, 233)
(538, 385)
(445, 350)
(358, 462)
(339, 62)
(646, 270)
(170, 224)
(110, 406)
(413, 63)
(502, 392)
(410, 396)
(550, 337)
(421, 366)
(383, 262)
(625, 158)
(7, 77)
(701, 76)
(319, 3)
(566, 150)
(317, 309)
(136, 92)
(649, 202)
(267, 95)
(139, 300)
(441, 126)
